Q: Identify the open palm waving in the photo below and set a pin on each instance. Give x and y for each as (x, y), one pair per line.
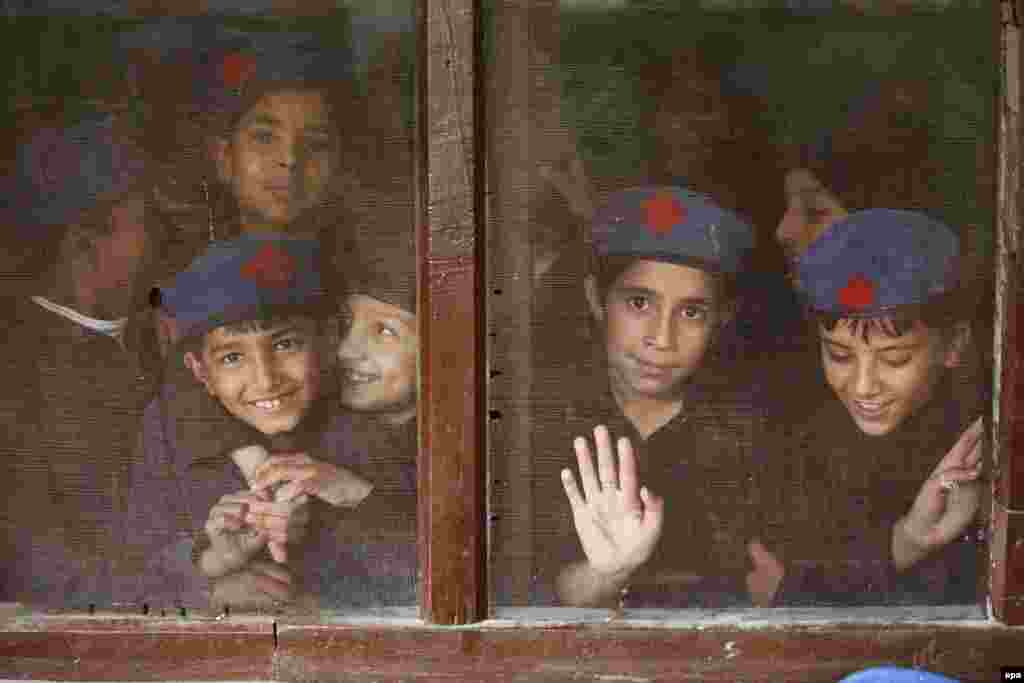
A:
(618, 522)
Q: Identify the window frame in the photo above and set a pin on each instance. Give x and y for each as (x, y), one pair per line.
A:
(450, 635)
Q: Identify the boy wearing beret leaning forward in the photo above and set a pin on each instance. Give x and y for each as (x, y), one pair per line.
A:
(245, 530)
(880, 483)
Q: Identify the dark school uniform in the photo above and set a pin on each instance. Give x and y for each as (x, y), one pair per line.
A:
(839, 492)
(71, 418)
(703, 463)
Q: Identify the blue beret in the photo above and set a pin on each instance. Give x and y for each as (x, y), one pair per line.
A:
(672, 224)
(62, 172)
(239, 62)
(874, 261)
(252, 277)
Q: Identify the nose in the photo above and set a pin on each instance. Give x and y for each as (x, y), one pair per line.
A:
(866, 382)
(289, 152)
(661, 331)
(352, 346)
(266, 373)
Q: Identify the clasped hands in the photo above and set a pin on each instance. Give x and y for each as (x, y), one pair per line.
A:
(273, 513)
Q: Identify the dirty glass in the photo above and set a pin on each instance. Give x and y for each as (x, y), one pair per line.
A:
(768, 480)
(209, 289)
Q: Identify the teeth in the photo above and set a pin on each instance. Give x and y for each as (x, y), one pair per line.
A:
(268, 405)
(359, 377)
(866, 405)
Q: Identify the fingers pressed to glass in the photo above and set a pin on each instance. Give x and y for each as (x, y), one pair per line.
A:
(605, 458)
(588, 478)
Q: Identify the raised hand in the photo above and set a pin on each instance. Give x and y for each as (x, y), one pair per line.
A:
(763, 581)
(618, 522)
(570, 180)
(945, 504)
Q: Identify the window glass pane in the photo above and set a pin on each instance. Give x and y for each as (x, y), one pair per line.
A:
(755, 239)
(210, 272)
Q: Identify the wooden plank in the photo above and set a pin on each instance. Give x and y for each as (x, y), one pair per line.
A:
(138, 649)
(804, 653)
(451, 470)
(519, 110)
(1007, 538)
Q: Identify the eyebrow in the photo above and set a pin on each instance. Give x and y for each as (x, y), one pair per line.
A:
(263, 119)
(273, 332)
(687, 301)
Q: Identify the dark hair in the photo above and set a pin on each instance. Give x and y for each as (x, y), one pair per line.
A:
(943, 313)
(608, 269)
(881, 154)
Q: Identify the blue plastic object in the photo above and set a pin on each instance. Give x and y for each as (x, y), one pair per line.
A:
(895, 674)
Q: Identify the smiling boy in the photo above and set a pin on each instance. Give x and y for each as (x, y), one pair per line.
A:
(253, 316)
(887, 467)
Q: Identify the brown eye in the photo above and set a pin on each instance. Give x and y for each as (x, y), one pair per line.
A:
(638, 303)
(694, 312)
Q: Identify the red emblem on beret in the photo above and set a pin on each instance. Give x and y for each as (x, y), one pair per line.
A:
(663, 213)
(858, 293)
(270, 267)
(236, 68)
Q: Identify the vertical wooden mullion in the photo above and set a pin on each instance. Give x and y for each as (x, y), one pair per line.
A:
(449, 238)
(1007, 538)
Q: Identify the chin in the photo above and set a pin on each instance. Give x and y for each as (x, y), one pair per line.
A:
(876, 428)
(276, 426)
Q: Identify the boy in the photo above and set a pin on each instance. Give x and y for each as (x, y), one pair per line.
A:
(661, 293)
(83, 368)
(252, 314)
(378, 362)
(870, 504)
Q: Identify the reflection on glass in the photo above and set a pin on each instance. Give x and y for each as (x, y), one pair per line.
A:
(247, 439)
(803, 423)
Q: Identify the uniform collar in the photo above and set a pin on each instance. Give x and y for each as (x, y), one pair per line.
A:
(85, 325)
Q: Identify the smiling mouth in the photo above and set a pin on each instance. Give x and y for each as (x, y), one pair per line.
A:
(870, 409)
(270, 405)
(359, 378)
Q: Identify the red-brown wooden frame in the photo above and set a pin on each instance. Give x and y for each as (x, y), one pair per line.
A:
(816, 646)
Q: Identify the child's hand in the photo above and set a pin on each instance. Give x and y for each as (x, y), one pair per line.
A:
(233, 542)
(618, 522)
(302, 475)
(570, 180)
(281, 521)
(763, 581)
(261, 584)
(945, 504)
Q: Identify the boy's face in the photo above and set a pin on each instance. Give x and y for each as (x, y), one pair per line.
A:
(810, 209)
(268, 378)
(378, 357)
(659, 320)
(279, 159)
(119, 261)
(884, 380)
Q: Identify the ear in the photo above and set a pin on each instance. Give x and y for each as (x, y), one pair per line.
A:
(956, 349)
(593, 298)
(218, 150)
(198, 369)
